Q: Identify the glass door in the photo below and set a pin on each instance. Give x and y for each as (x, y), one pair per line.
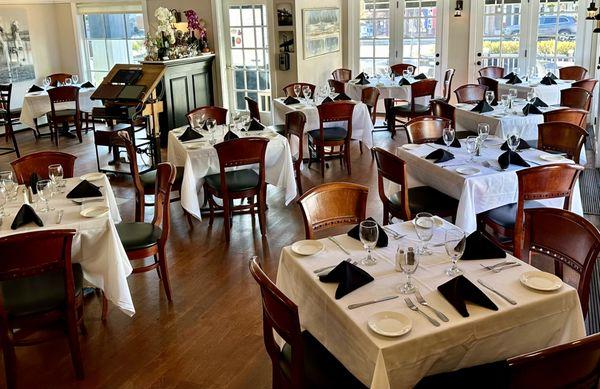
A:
(420, 39)
(375, 43)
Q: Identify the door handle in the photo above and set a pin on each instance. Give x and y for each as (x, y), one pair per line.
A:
(479, 54)
(437, 55)
(478, 63)
(437, 63)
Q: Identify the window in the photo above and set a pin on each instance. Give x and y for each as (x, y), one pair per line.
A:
(556, 33)
(374, 36)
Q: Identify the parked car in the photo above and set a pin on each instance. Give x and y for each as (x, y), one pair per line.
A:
(547, 26)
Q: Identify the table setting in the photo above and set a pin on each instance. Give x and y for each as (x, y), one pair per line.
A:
(389, 85)
(547, 87)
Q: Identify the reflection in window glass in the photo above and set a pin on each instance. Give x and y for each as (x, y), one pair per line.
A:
(419, 39)
(556, 32)
(374, 35)
(501, 34)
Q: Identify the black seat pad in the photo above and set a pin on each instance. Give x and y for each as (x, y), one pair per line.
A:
(136, 236)
(149, 179)
(237, 180)
(279, 128)
(426, 199)
(506, 215)
(329, 133)
(407, 108)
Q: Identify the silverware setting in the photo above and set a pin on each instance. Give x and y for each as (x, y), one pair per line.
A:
(332, 239)
(393, 233)
(358, 305)
(412, 306)
(508, 299)
(497, 268)
(88, 200)
(59, 216)
(424, 303)
(322, 269)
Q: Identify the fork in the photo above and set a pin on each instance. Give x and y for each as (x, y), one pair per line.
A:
(412, 306)
(393, 233)
(330, 267)
(422, 301)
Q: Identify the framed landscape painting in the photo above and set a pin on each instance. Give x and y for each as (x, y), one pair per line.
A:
(16, 60)
(321, 31)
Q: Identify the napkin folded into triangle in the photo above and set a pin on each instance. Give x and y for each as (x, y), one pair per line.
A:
(382, 240)
(523, 145)
(482, 107)
(230, 135)
(362, 75)
(327, 100)
(290, 100)
(455, 142)
(538, 102)
(84, 189)
(514, 80)
(189, 134)
(480, 247)
(26, 215)
(511, 158)
(362, 79)
(531, 109)
(350, 277)
(34, 88)
(509, 76)
(459, 290)
(403, 82)
(33, 180)
(420, 76)
(255, 125)
(87, 84)
(342, 97)
(440, 155)
(552, 76)
(547, 80)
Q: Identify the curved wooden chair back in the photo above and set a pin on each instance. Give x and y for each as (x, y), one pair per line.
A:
(64, 94)
(392, 168)
(399, 68)
(209, 112)
(444, 110)
(294, 127)
(447, 86)
(575, 98)
(59, 77)
(5, 96)
(470, 93)
(425, 129)
(253, 108)
(280, 314)
(369, 96)
(338, 111)
(492, 72)
(572, 242)
(338, 86)
(570, 115)
(165, 177)
(241, 152)
(589, 84)
(575, 73)
(38, 163)
(565, 137)
(422, 88)
(122, 139)
(333, 204)
(492, 85)
(289, 89)
(342, 75)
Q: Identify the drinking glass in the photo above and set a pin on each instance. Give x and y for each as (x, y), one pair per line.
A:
(409, 262)
(44, 191)
(424, 227)
(512, 140)
(448, 135)
(68, 82)
(471, 143)
(405, 73)
(75, 79)
(517, 71)
(410, 70)
(199, 122)
(534, 72)
(3, 200)
(369, 233)
(504, 99)
(7, 180)
(483, 130)
(455, 247)
(531, 95)
(297, 90)
(211, 124)
(46, 82)
(306, 92)
(489, 97)
(331, 92)
(55, 172)
(512, 93)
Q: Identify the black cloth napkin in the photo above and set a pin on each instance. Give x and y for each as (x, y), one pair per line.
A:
(327, 100)
(459, 290)
(514, 80)
(523, 145)
(509, 76)
(34, 88)
(230, 135)
(363, 79)
(440, 155)
(84, 189)
(189, 134)
(26, 215)
(552, 76)
(87, 84)
(420, 76)
(362, 75)
(511, 158)
(455, 142)
(531, 109)
(349, 276)
(547, 81)
(290, 100)
(403, 81)
(382, 240)
(33, 180)
(255, 125)
(480, 247)
(342, 96)
(538, 102)
(482, 107)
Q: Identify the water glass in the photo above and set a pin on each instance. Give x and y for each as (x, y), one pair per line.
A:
(409, 262)
(489, 96)
(55, 172)
(410, 70)
(47, 82)
(211, 124)
(369, 233)
(448, 135)
(68, 82)
(405, 73)
(512, 93)
(199, 122)
(7, 180)
(3, 200)
(75, 79)
(306, 92)
(504, 101)
(471, 143)
(455, 242)
(424, 227)
(483, 130)
(44, 191)
(297, 90)
(531, 95)
(512, 140)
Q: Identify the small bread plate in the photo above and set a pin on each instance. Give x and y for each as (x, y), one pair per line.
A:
(388, 323)
(540, 280)
(307, 247)
(467, 170)
(94, 211)
(194, 146)
(410, 146)
(552, 157)
(92, 176)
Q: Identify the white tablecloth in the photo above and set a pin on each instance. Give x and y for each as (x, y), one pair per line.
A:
(550, 94)
(96, 245)
(538, 320)
(37, 104)
(202, 161)
(480, 192)
(388, 88)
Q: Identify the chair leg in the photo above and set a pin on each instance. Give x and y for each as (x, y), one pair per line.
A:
(162, 263)
(73, 336)
(10, 365)
(299, 181)
(321, 156)
(261, 211)
(347, 155)
(227, 219)
(386, 215)
(104, 307)
(360, 146)
(78, 129)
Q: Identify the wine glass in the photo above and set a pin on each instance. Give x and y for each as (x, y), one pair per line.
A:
(55, 172)
(3, 200)
(410, 70)
(517, 71)
(7, 180)
(44, 190)
(405, 73)
(46, 82)
(448, 135)
(489, 96)
(531, 95)
(297, 90)
(210, 125)
(199, 122)
(455, 243)
(504, 99)
(512, 141)
(75, 79)
(471, 143)
(424, 227)
(369, 233)
(68, 82)
(483, 130)
(306, 92)
(409, 262)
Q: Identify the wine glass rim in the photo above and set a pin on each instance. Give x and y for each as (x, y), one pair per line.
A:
(368, 223)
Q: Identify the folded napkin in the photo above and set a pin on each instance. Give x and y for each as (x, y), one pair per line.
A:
(230, 135)
(482, 107)
(189, 134)
(26, 215)
(480, 247)
(514, 80)
(349, 276)
(459, 290)
(403, 82)
(87, 84)
(511, 158)
(84, 189)
(421, 76)
(342, 96)
(255, 125)
(531, 109)
(34, 88)
(440, 155)
(523, 145)
(382, 240)
(509, 76)
(33, 180)
(363, 79)
(362, 75)
(455, 142)
(552, 76)
(290, 100)
(327, 100)
(538, 102)
(547, 80)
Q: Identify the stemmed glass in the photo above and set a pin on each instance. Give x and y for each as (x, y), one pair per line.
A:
(211, 124)
(3, 200)
(531, 95)
(410, 70)
(405, 74)
(409, 262)
(489, 97)
(455, 247)
(199, 122)
(448, 135)
(471, 143)
(47, 83)
(483, 130)
(504, 99)
(44, 190)
(369, 233)
(68, 82)
(306, 92)
(75, 79)
(55, 172)
(424, 228)
(512, 141)
(6, 180)
(297, 90)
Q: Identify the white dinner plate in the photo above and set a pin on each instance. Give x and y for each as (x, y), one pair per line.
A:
(307, 247)
(94, 211)
(552, 157)
(92, 176)
(540, 280)
(467, 170)
(388, 323)
(410, 146)
(462, 105)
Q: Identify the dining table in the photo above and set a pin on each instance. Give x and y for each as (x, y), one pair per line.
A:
(400, 359)
(96, 245)
(389, 88)
(478, 185)
(199, 159)
(550, 94)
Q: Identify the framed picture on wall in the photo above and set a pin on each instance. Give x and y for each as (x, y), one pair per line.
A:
(286, 41)
(320, 31)
(16, 60)
(285, 16)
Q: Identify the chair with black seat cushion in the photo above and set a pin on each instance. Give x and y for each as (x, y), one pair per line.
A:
(38, 163)
(563, 137)
(492, 85)
(40, 287)
(419, 90)
(288, 90)
(504, 225)
(207, 112)
(7, 120)
(492, 72)
(61, 118)
(323, 141)
(342, 75)
(407, 202)
(303, 362)
(574, 73)
(369, 97)
(470, 93)
(575, 97)
(426, 129)
(246, 183)
(294, 124)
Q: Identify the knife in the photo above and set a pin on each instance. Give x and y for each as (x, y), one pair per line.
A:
(338, 245)
(511, 301)
(358, 305)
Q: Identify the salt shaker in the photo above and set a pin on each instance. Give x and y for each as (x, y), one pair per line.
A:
(399, 254)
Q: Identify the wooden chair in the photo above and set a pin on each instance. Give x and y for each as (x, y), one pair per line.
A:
(575, 73)
(294, 125)
(569, 115)
(59, 77)
(504, 225)
(564, 137)
(444, 110)
(332, 204)
(492, 85)
(253, 108)
(289, 89)
(447, 85)
(369, 97)
(426, 129)
(7, 120)
(576, 98)
(588, 84)
(470, 93)
(407, 202)
(323, 141)
(230, 185)
(492, 72)
(62, 117)
(342, 75)
(40, 286)
(544, 234)
(291, 363)
(399, 68)
(419, 89)
(208, 112)
(338, 86)
(38, 163)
